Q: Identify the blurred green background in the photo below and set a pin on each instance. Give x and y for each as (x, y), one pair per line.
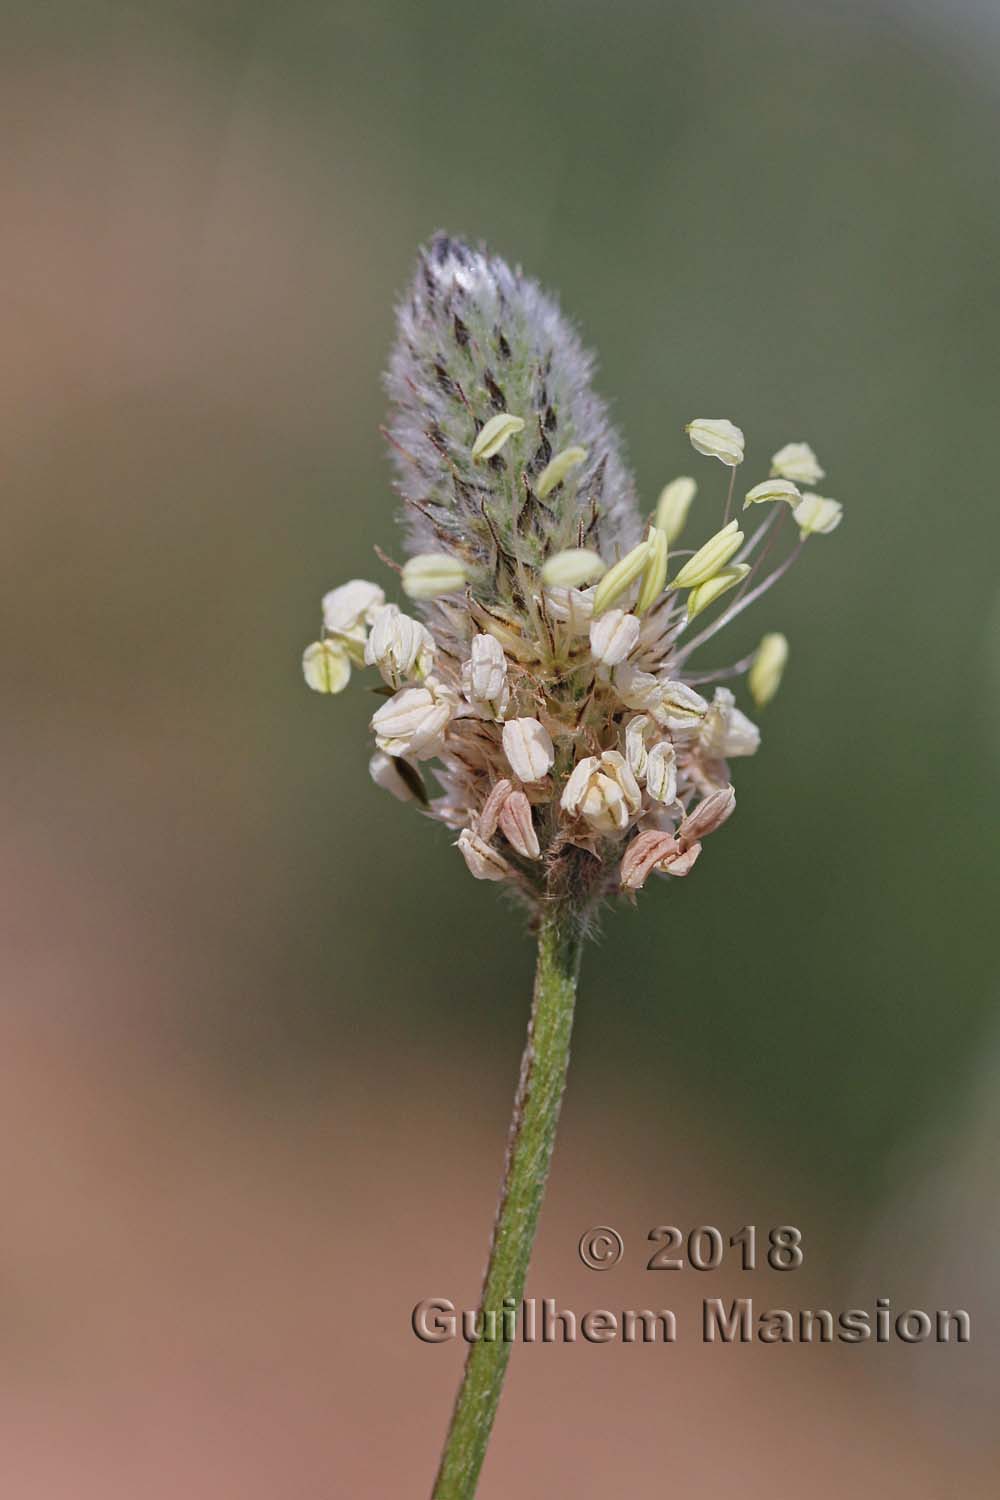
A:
(783, 213)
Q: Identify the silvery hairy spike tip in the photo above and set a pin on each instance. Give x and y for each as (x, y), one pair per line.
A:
(551, 686)
(482, 350)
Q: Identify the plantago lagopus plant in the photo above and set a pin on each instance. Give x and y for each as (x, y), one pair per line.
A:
(549, 684)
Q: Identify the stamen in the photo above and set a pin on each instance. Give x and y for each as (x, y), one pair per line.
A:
(740, 605)
(729, 497)
(722, 674)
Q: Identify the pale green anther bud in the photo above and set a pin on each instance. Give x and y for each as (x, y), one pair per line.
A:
(815, 514)
(716, 437)
(432, 573)
(797, 461)
(325, 667)
(655, 574)
(557, 468)
(620, 577)
(773, 489)
(764, 677)
(709, 559)
(572, 569)
(713, 588)
(673, 506)
(494, 434)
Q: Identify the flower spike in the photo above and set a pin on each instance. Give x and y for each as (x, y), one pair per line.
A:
(545, 669)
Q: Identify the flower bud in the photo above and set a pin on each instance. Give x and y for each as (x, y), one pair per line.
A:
(486, 823)
(798, 462)
(661, 772)
(399, 646)
(572, 568)
(517, 827)
(432, 573)
(483, 862)
(614, 764)
(556, 469)
(679, 707)
(679, 864)
(484, 677)
(414, 720)
(494, 434)
(815, 514)
(637, 689)
(726, 731)
(643, 855)
(620, 577)
(655, 572)
(576, 786)
(638, 732)
(325, 667)
(351, 604)
(772, 489)
(764, 677)
(707, 816)
(385, 771)
(673, 506)
(673, 705)
(528, 748)
(716, 437)
(613, 636)
(603, 792)
(707, 561)
(573, 608)
(713, 588)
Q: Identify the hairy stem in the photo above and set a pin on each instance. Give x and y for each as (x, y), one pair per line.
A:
(526, 1170)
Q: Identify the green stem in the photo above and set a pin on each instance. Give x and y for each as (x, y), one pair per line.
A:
(529, 1153)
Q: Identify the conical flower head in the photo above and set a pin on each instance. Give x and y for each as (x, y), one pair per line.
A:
(546, 707)
(504, 454)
